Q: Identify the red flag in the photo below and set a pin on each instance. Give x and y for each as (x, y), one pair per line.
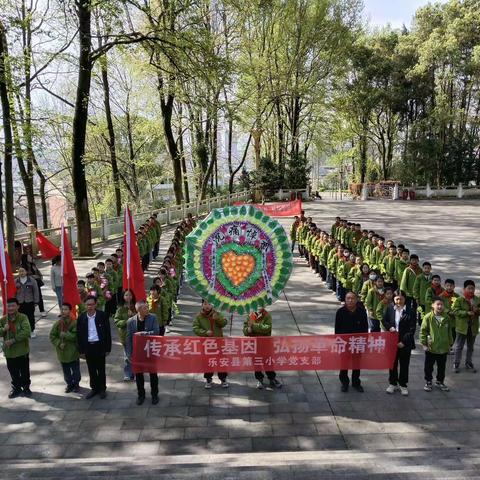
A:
(7, 282)
(69, 291)
(133, 278)
(46, 247)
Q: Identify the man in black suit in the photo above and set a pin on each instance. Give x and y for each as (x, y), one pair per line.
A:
(352, 318)
(398, 318)
(94, 344)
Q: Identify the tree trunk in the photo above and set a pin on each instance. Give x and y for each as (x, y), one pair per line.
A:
(131, 153)
(8, 141)
(27, 112)
(215, 146)
(229, 153)
(280, 139)
(166, 106)
(181, 149)
(80, 129)
(111, 137)
(240, 165)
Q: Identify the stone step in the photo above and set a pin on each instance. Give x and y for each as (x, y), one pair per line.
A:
(438, 463)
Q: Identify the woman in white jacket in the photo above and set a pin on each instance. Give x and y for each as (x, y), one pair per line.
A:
(56, 279)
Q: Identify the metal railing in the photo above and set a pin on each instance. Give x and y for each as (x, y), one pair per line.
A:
(112, 227)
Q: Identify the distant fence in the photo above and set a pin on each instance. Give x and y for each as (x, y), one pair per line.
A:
(112, 227)
(396, 191)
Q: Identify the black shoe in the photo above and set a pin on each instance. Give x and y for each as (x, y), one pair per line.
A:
(140, 400)
(90, 394)
(469, 366)
(69, 389)
(358, 388)
(14, 393)
(154, 399)
(103, 394)
(27, 392)
(76, 389)
(344, 387)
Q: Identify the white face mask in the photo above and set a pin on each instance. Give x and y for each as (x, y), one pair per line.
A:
(372, 277)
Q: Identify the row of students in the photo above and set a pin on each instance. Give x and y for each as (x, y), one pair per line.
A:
(104, 287)
(349, 259)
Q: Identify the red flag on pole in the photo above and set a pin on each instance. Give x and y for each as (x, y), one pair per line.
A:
(133, 278)
(7, 282)
(46, 247)
(69, 291)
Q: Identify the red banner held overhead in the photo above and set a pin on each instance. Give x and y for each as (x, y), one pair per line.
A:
(364, 351)
(279, 209)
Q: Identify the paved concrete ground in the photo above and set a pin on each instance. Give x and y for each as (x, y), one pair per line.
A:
(316, 429)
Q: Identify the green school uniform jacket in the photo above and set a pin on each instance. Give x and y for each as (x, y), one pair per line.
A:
(355, 278)
(293, 231)
(408, 280)
(420, 287)
(376, 257)
(460, 309)
(260, 328)
(366, 287)
(388, 268)
(325, 254)
(429, 296)
(381, 309)
(69, 353)
(448, 302)
(202, 324)
(372, 301)
(343, 272)
(440, 332)
(159, 309)
(400, 266)
(120, 320)
(112, 277)
(21, 335)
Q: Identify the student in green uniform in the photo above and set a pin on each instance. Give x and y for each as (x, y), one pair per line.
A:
(112, 287)
(401, 263)
(125, 310)
(368, 285)
(376, 255)
(434, 290)
(15, 330)
(408, 281)
(382, 306)
(374, 296)
(436, 339)
(467, 310)
(293, 231)
(209, 323)
(259, 324)
(63, 337)
(422, 283)
(449, 296)
(94, 290)
(154, 302)
(82, 291)
(388, 267)
(358, 275)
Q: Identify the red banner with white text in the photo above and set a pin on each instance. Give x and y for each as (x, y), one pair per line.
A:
(364, 351)
(279, 209)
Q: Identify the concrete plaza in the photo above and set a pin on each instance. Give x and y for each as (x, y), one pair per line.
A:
(308, 429)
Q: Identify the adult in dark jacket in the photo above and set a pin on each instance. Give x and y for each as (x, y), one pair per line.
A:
(142, 323)
(398, 318)
(352, 318)
(94, 343)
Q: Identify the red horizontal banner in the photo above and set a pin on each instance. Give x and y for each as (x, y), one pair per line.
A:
(280, 209)
(364, 351)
